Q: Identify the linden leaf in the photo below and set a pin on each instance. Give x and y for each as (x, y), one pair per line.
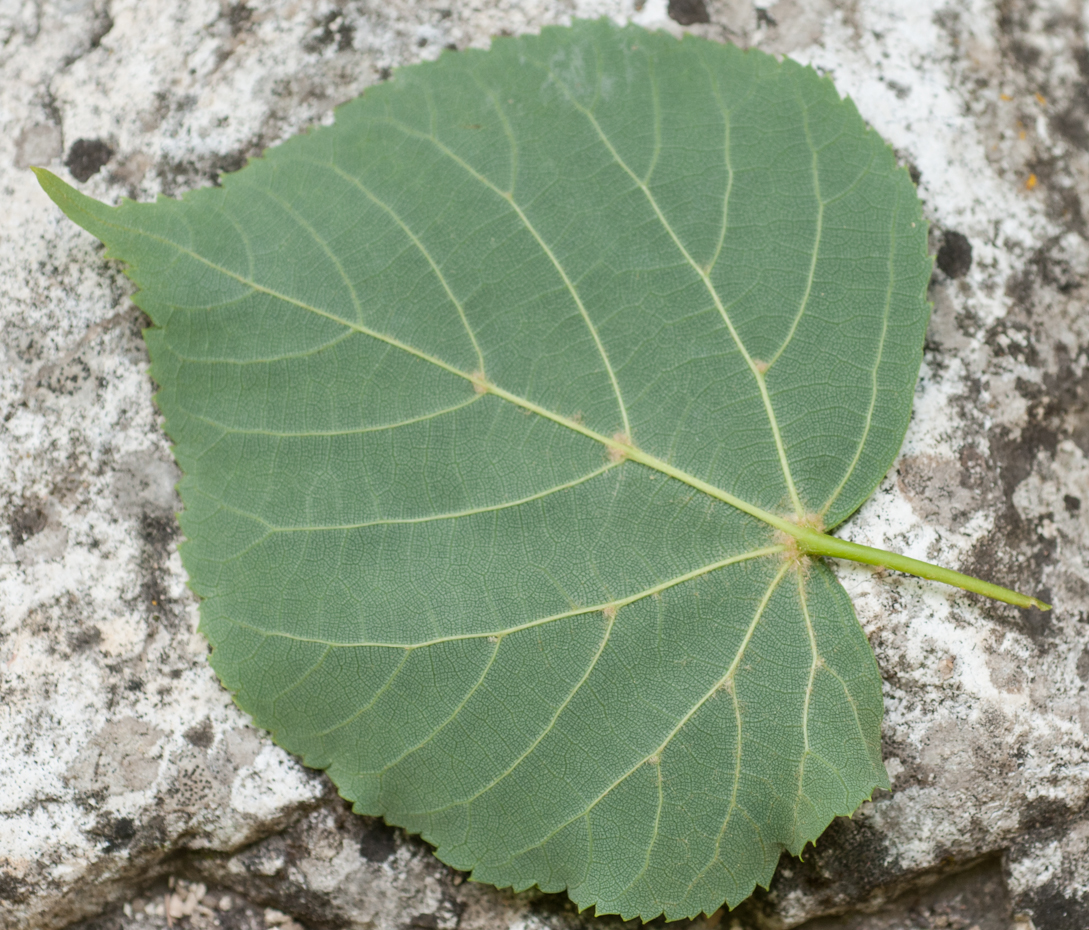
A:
(508, 407)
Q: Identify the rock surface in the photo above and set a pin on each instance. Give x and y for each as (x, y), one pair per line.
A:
(125, 764)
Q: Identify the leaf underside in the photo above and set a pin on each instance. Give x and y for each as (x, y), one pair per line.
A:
(401, 359)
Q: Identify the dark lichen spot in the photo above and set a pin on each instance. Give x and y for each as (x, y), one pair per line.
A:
(117, 833)
(101, 26)
(955, 255)
(201, 735)
(12, 889)
(902, 92)
(124, 829)
(1016, 340)
(1071, 503)
(84, 638)
(66, 379)
(1058, 408)
(26, 521)
(1027, 55)
(688, 12)
(86, 158)
(1042, 812)
(157, 532)
(238, 16)
(378, 842)
(152, 833)
(764, 18)
(330, 28)
(1052, 907)
(1073, 125)
(1082, 667)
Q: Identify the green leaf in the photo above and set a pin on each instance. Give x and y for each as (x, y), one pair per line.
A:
(508, 409)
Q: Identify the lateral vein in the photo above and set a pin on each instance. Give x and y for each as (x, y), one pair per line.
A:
(531, 624)
(393, 215)
(532, 230)
(796, 501)
(380, 428)
(688, 715)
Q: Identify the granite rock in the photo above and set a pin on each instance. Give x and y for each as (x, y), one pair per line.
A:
(130, 785)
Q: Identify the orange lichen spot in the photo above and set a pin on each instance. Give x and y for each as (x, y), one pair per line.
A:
(609, 610)
(1005, 97)
(760, 365)
(480, 383)
(1041, 99)
(1030, 182)
(618, 453)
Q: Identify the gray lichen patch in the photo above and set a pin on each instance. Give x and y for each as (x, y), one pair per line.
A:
(120, 757)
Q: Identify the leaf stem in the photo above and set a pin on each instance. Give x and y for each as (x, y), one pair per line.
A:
(813, 543)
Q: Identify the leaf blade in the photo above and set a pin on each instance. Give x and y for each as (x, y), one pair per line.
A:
(545, 346)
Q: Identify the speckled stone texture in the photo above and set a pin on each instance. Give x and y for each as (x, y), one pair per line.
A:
(134, 794)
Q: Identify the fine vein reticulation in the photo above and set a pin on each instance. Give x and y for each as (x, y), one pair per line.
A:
(513, 410)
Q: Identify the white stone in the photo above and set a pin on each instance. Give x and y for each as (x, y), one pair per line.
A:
(120, 747)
